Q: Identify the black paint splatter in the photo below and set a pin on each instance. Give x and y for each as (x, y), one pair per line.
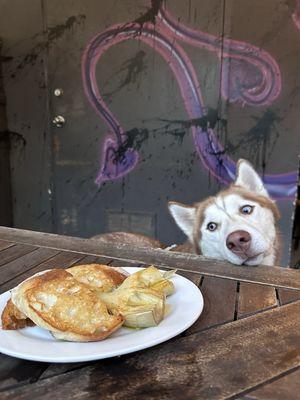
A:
(46, 40)
(150, 14)
(133, 68)
(210, 120)
(135, 138)
(59, 30)
(259, 141)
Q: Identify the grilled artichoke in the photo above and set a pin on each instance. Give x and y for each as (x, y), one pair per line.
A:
(140, 299)
(151, 278)
(140, 307)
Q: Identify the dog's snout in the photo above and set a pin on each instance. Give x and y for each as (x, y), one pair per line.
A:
(238, 242)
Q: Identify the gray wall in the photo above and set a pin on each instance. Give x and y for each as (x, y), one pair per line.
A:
(5, 180)
(54, 169)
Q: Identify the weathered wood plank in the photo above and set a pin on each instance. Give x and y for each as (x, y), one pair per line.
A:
(93, 260)
(254, 298)
(195, 278)
(58, 369)
(61, 260)
(24, 263)
(125, 263)
(219, 303)
(14, 372)
(287, 296)
(285, 388)
(14, 252)
(222, 362)
(5, 245)
(272, 276)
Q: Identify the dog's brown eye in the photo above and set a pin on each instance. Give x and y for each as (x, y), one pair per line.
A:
(246, 209)
(211, 226)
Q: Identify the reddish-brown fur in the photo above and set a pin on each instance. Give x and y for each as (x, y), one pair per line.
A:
(200, 215)
(188, 247)
(130, 239)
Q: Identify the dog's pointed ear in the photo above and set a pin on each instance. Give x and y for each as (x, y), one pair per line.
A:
(249, 179)
(184, 217)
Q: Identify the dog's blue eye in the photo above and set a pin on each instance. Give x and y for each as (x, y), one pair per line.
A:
(212, 226)
(246, 209)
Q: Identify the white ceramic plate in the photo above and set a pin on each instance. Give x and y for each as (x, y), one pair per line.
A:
(38, 344)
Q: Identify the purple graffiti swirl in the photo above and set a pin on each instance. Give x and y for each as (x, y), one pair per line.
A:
(296, 14)
(249, 75)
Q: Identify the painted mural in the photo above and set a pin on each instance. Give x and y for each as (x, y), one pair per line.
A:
(296, 14)
(249, 76)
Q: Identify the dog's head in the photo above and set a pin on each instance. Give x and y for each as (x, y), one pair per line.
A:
(237, 225)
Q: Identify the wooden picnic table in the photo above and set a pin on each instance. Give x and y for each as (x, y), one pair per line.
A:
(245, 345)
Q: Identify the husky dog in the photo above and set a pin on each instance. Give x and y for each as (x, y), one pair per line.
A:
(237, 225)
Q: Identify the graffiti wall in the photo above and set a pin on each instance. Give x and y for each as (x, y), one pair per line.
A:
(249, 76)
(160, 99)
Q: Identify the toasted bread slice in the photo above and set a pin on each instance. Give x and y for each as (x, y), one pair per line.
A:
(13, 319)
(98, 276)
(58, 302)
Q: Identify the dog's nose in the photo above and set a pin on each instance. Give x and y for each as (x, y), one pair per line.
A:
(238, 242)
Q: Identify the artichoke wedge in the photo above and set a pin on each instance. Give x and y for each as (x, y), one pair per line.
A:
(140, 307)
(151, 278)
